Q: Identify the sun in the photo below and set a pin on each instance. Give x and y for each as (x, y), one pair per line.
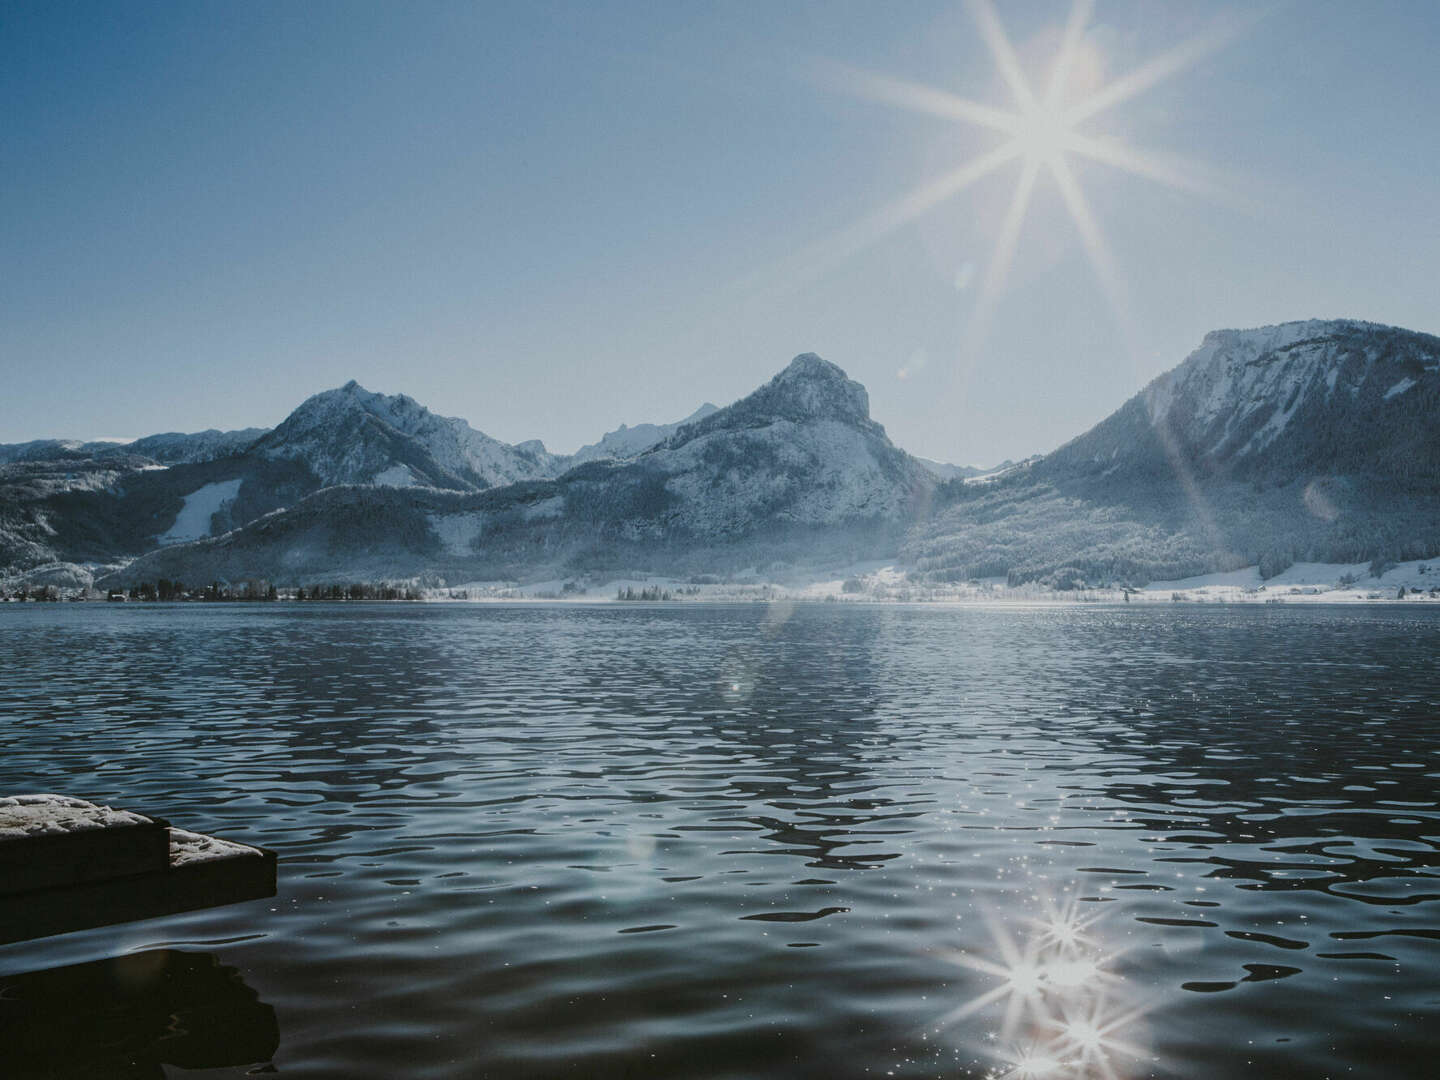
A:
(1042, 135)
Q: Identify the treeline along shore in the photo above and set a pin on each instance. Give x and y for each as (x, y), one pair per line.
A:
(167, 591)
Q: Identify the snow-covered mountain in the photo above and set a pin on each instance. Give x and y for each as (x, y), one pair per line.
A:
(1312, 441)
(353, 436)
(1303, 396)
(795, 469)
(801, 449)
(180, 448)
(628, 442)
(97, 502)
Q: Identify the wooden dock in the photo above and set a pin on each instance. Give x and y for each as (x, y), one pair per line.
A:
(67, 864)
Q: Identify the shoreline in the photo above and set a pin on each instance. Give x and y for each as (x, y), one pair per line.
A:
(875, 582)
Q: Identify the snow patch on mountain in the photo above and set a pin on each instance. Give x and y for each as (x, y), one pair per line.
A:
(193, 521)
(395, 476)
(457, 532)
(1399, 388)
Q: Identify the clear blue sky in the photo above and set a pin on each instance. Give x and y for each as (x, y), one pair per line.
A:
(551, 218)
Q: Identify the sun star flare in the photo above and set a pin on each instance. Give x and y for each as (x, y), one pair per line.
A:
(1043, 133)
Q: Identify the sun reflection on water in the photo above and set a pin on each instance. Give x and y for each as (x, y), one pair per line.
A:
(1063, 1010)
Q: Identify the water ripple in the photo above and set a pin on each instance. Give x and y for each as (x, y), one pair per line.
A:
(654, 841)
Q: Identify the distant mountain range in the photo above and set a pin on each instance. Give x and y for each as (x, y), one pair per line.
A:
(798, 466)
(626, 442)
(945, 471)
(68, 502)
(1313, 441)
(170, 448)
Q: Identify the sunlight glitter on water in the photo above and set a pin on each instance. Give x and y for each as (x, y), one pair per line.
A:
(1060, 1011)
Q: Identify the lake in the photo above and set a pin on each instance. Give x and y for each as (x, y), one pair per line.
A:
(828, 840)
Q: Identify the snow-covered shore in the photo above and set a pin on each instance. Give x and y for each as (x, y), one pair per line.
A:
(887, 583)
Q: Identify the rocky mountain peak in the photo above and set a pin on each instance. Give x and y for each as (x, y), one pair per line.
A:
(807, 391)
(810, 389)
(1234, 371)
(1279, 335)
(353, 403)
(352, 435)
(810, 366)
(813, 389)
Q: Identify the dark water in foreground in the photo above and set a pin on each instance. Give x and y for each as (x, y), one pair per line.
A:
(702, 841)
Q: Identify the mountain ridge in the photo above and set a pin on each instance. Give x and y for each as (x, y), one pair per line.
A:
(1313, 440)
(795, 464)
(166, 448)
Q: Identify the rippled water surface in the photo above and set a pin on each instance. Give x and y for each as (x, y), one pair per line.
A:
(710, 841)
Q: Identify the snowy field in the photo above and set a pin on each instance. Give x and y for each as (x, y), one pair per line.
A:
(193, 521)
(1328, 582)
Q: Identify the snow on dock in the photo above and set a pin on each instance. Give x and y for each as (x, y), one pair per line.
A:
(67, 864)
(54, 840)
